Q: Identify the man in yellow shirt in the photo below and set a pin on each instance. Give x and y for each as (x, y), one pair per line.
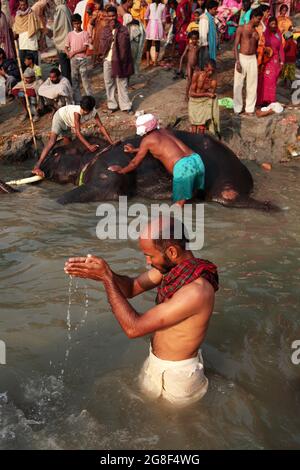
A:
(29, 62)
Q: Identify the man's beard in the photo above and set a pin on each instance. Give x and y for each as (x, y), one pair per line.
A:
(166, 266)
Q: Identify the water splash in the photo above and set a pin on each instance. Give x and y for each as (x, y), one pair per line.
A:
(71, 294)
(86, 308)
(69, 325)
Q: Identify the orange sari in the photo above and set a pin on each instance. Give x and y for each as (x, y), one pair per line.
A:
(87, 14)
(284, 23)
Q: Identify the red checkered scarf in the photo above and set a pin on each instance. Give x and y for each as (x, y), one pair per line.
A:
(183, 274)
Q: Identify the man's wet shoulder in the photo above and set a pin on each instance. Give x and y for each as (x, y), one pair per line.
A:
(198, 287)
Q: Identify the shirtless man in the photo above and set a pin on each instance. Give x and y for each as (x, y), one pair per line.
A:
(203, 106)
(178, 323)
(192, 52)
(245, 47)
(186, 166)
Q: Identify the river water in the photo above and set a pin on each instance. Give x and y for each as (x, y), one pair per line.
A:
(70, 377)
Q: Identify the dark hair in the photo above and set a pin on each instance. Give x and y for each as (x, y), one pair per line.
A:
(193, 33)
(246, 3)
(76, 18)
(29, 56)
(162, 243)
(197, 12)
(210, 62)
(264, 8)
(271, 19)
(211, 4)
(56, 71)
(87, 103)
(256, 13)
(111, 9)
(284, 5)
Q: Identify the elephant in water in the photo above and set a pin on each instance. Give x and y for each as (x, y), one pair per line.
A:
(227, 179)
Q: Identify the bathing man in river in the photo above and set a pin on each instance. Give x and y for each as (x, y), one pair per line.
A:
(183, 163)
(178, 323)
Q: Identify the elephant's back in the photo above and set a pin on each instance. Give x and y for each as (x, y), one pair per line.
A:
(222, 166)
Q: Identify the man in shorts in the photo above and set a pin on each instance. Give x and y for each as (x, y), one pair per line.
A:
(72, 116)
(183, 163)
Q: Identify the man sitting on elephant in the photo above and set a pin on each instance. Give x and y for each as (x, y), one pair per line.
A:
(183, 163)
(72, 116)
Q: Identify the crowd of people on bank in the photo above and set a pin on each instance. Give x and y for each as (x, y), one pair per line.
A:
(119, 35)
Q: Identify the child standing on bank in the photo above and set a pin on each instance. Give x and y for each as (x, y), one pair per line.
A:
(76, 46)
(192, 52)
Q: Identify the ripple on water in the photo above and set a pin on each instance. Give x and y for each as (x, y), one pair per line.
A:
(253, 399)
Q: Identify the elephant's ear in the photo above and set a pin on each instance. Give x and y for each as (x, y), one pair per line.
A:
(84, 193)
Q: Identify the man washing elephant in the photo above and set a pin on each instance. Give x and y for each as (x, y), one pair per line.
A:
(183, 163)
(178, 323)
(227, 180)
(72, 116)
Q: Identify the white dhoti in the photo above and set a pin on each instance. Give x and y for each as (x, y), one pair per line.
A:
(179, 382)
(250, 73)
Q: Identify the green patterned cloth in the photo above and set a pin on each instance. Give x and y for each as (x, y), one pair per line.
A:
(205, 112)
(289, 72)
(226, 103)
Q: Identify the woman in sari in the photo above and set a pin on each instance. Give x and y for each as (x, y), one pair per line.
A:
(97, 23)
(13, 7)
(71, 4)
(183, 17)
(6, 36)
(62, 25)
(90, 6)
(137, 39)
(270, 61)
(228, 9)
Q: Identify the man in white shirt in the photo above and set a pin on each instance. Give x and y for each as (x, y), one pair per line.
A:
(56, 91)
(208, 34)
(72, 116)
(26, 29)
